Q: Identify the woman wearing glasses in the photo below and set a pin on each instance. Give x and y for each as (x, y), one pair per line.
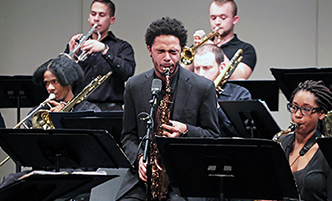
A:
(309, 103)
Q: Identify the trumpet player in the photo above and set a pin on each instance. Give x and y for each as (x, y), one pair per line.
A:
(309, 103)
(209, 63)
(223, 14)
(58, 76)
(109, 53)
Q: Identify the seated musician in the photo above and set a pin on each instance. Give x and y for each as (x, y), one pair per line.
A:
(58, 75)
(308, 105)
(209, 63)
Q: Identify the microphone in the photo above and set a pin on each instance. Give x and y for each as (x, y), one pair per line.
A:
(156, 87)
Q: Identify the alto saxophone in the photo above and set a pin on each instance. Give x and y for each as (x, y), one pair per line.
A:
(290, 128)
(159, 177)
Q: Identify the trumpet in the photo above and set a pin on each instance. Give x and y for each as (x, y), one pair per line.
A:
(290, 128)
(41, 118)
(226, 74)
(82, 39)
(188, 53)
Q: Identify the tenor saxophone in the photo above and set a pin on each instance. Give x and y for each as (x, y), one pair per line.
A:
(159, 177)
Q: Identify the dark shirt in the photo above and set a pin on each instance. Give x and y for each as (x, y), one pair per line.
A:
(249, 54)
(119, 59)
(231, 92)
(315, 180)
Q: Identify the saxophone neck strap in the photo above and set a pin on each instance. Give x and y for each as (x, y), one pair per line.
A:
(309, 144)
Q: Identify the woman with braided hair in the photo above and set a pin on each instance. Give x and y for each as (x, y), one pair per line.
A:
(309, 103)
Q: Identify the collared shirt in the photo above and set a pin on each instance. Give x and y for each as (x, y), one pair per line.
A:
(249, 54)
(119, 59)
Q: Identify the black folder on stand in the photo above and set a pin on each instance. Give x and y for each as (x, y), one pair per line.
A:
(325, 145)
(288, 78)
(266, 90)
(51, 187)
(110, 121)
(251, 118)
(60, 148)
(228, 168)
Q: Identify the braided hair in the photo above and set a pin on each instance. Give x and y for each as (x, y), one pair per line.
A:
(323, 97)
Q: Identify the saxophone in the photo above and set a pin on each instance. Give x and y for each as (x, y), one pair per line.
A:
(226, 74)
(159, 177)
(290, 128)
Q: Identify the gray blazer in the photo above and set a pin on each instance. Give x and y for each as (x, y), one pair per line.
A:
(195, 105)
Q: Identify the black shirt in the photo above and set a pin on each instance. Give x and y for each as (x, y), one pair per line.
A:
(249, 54)
(315, 180)
(119, 59)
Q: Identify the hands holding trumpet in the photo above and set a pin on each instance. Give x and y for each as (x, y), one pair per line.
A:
(89, 46)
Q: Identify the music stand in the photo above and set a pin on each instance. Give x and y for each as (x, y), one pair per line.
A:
(62, 148)
(325, 145)
(228, 168)
(51, 187)
(266, 90)
(251, 118)
(18, 91)
(289, 78)
(110, 121)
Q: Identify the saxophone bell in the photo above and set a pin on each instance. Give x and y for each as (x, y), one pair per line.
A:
(292, 127)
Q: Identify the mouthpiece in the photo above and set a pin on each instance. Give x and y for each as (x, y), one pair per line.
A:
(216, 29)
(51, 96)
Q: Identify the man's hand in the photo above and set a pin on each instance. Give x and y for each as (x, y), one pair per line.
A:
(72, 43)
(91, 46)
(175, 129)
(142, 169)
(57, 106)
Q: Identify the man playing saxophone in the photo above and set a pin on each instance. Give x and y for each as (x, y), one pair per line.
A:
(209, 63)
(58, 75)
(189, 100)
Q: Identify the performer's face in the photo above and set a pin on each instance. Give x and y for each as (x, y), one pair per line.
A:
(53, 85)
(205, 65)
(165, 52)
(222, 16)
(100, 14)
(307, 124)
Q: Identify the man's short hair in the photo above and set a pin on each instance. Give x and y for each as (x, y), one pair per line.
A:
(221, 2)
(166, 26)
(65, 69)
(108, 3)
(206, 48)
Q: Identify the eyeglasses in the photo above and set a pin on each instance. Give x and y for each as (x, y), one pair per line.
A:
(306, 111)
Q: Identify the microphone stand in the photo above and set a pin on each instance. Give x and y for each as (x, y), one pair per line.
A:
(148, 141)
